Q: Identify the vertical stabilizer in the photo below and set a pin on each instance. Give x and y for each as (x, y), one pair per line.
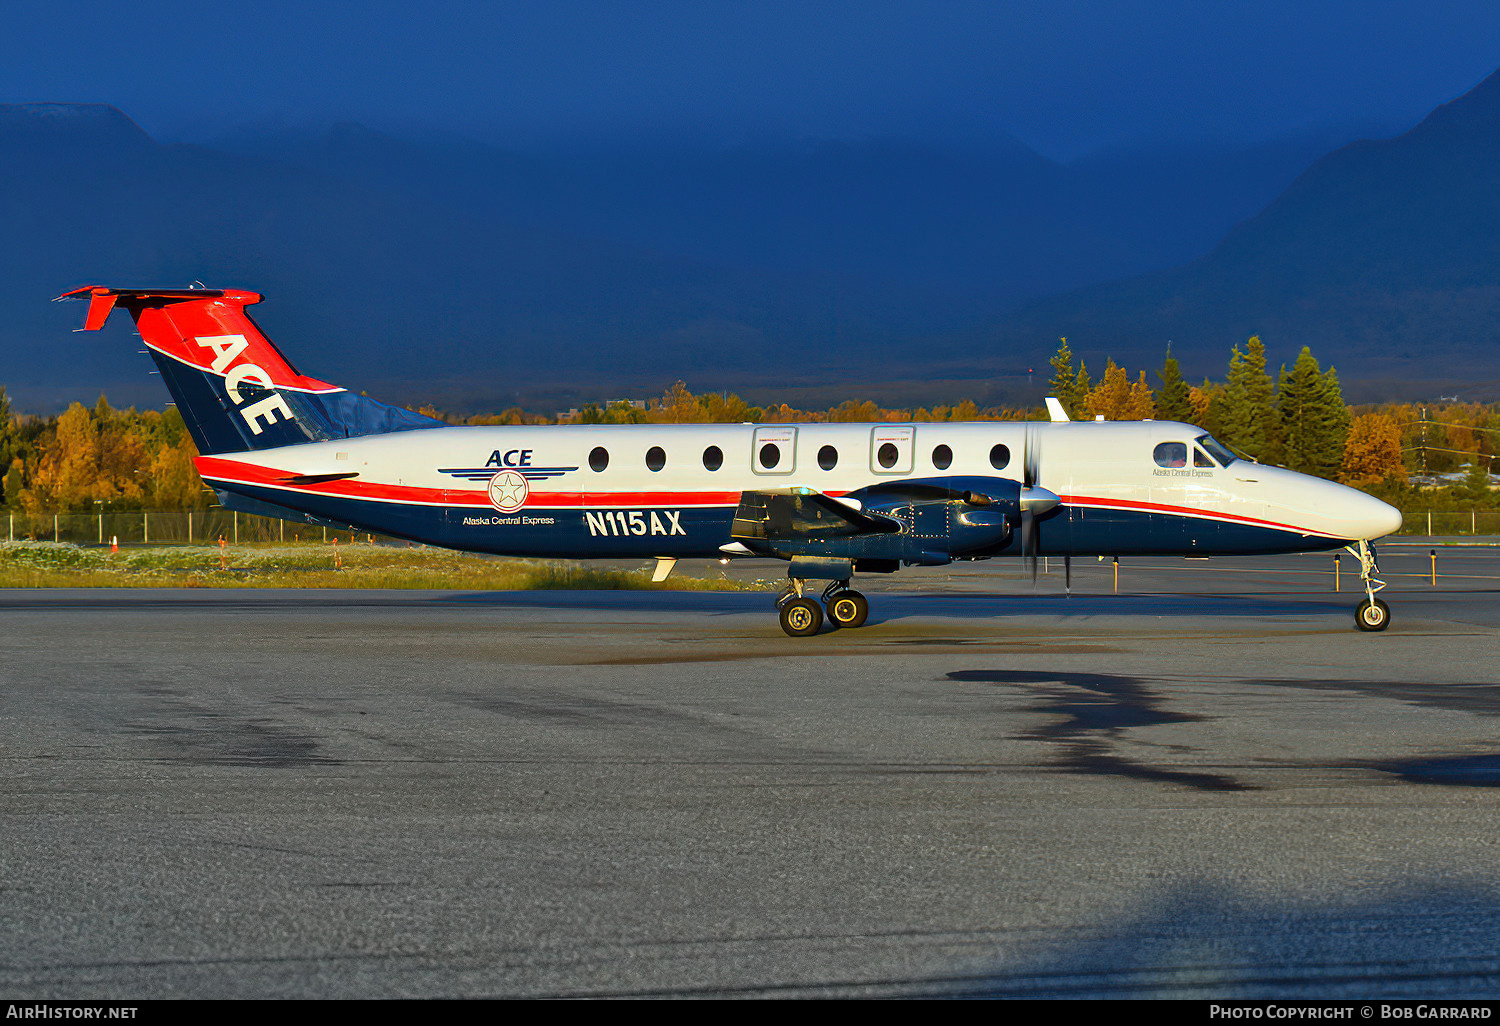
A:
(234, 388)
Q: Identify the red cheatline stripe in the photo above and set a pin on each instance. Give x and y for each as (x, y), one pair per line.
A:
(1089, 502)
(234, 472)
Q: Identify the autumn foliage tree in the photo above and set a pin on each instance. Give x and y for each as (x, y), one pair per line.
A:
(1372, 450)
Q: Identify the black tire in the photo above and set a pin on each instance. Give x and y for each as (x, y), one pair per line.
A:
(1372, 615)
(848, 609)
(801, 617)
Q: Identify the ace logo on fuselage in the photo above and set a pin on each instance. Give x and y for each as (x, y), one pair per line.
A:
(511, 458)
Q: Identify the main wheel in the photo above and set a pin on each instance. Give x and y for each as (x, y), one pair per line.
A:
(848, 609)
(801, 617)
(1372, 615)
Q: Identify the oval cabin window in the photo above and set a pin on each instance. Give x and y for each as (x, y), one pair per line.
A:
(828, 457)
(656, 458)
(598, 459)
(1171, 454)
(713, 458)
(770, 455)
(942, 457)
(1000, 457)
(888, 455)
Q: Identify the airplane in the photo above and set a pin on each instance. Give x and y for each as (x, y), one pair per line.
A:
(832, 500)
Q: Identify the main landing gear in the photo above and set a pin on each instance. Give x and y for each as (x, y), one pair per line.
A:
(802, 616)
(1372, 614)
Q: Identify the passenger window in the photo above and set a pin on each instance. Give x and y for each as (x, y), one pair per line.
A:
(942, 457)
(598, 459)
(1200, 460)
(1171, 454)
(713, 458)
(656, 458)
(887, 455)
(828, 457)
(770, 455)
(1000, 457)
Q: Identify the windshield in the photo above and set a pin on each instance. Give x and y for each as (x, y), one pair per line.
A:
(1216, 449)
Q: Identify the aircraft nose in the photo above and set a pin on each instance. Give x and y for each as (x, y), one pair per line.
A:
(1370, 518)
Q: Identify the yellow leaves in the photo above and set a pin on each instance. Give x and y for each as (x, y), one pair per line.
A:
(109, 456)
(1117, 398)
(1373, 450)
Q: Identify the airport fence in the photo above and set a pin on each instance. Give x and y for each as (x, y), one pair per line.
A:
(207, 526)
(165, 527)
(1443, 523)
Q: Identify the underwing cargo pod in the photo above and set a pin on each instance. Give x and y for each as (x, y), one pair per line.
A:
(832, 500)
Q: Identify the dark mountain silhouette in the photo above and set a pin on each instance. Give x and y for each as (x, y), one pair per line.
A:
(996, 219)
(448, 271)
(374, 288)
(1384, 256)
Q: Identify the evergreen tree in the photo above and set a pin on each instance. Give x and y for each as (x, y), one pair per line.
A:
(1314, 419)
(1081, 389)
(1173, 399)
(1338, 418)
(1065, 380)
(1477, 480)
(1249, 420)
(15, 479)
(7, 432)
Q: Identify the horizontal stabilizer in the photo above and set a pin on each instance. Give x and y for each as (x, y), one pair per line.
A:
(234, 388)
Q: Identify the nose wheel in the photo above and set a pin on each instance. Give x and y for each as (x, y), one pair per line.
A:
(1372, 615)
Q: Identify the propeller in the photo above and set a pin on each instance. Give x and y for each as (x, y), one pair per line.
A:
(1030, 468)
(1035, 499)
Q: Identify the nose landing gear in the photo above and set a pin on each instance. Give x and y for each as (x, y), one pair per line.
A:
(1372, 614)
(802, 616)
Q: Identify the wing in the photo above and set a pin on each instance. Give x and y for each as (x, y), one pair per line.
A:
(771, 516)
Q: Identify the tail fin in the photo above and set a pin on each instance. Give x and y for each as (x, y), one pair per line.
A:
(235, 390)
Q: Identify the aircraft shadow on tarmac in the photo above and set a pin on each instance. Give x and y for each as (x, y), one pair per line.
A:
(1087, 713)
(1202, 941)
(887, 607)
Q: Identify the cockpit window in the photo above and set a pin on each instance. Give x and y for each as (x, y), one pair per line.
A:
(1200, 460)
(1216, 449)
(1171, 454)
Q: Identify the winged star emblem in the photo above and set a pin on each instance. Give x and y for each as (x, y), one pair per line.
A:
(508, 491)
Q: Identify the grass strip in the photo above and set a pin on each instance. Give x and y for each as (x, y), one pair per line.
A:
(25, 564)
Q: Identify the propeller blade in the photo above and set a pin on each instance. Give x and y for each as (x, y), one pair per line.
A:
(1028, 541)
(1031, 459)
(1068, 576)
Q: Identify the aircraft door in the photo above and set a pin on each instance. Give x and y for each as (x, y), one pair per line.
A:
(892, 449)
(774, 450)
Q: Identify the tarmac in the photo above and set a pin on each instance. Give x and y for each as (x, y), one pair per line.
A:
(1208, 785)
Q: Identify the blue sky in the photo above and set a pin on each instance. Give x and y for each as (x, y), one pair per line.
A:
(1065, 76)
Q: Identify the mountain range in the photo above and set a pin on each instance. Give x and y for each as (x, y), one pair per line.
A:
(444, 270)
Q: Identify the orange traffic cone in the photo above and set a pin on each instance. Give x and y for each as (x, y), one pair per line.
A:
(114, 543)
